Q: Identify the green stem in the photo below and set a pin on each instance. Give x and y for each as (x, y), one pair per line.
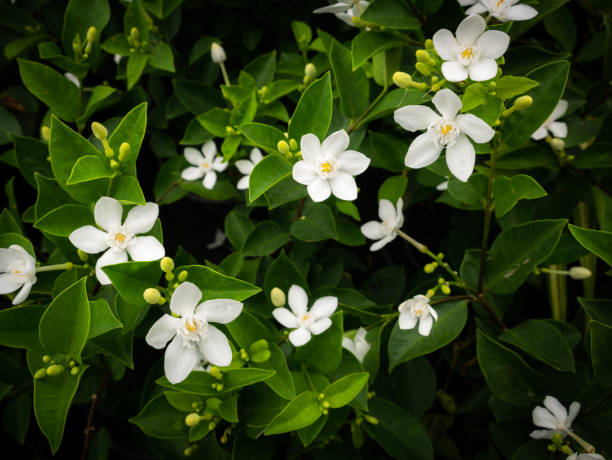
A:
(49, 268)
(558, 298)
(224, 72)
(355, 125)
(488, 210)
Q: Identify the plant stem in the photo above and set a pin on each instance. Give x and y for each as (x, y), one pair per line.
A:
(49, 268)
(355, 125)
(168, 190)
(557, 291)
(94, 401)
(488, 211)
(588, 448)
(224, 72)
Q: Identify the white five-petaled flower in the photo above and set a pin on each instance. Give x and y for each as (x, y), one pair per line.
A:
(556, 128)
(416, 310)
(502, 10)
(472, 52)
(193, 337)
(246, 167)
(392, 220)
(448, 130)
(329, 168)
(554, 417)
(205, 164)
(116, 238)
(305, 322)
(17, 271)
(359, 346)
(345, 10)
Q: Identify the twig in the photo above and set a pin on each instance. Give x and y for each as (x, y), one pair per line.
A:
(92, 407)
(168, 190)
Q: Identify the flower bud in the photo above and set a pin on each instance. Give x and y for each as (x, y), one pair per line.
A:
(114, 164)
(567, 450)
(293, 145)
(523, 102)
(151, 296)
(557, 438)
(370, 419)
(92, 34)
(402, 79)
(259, 345)
(423, 56)
(75, 370)
(579, 273)
(217, 53)
(46, 359)
(192, 419)
(429, 44)
(216, 372)
(430, 293)
(182, 276)
(134, 33)
(40, 373)
(278, 298)
(124, 151)
(55, 369)
(557, 144)
(261, 356)
(166, 264)
(423, 69)
(45, 132)
(99, 130)
(325, 404)
(446, 290)
(310, 70)
(82, 255)
(188, 451)
(552, 447)
(283, 147)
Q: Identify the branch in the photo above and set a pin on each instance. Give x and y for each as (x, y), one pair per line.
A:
(92, 407)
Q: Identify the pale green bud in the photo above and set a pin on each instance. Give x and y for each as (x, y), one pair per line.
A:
(370, 419)
(82, 255)
(192, 419)
(430, 293)
(166, 264)
(46, 358)
(99, 130)
(523, 102)
(429, 44)
(424, 69)
(283, 147)
(55, 369)
(40, 373)
(182, 276)
(217, 53)
(423, 56)
(402, 79)
(75, 370)
(293, 145)
(310, 70)
(557, 144)
(45, 133)
(114, 164)
(124, 151)
(134, 33)
(446, 290)
(277, 296)
(151, 296)
(92, 34)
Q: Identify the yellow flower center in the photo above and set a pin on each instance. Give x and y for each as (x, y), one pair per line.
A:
(468, 53)
(418, 311)
(326, 167)
(205, 165)
(445, 129)
(305, 317)
(499, 2)
(191, 325)
(120, 238)
(17, 272)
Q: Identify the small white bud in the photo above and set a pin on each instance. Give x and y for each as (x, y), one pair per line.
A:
(579, 273)
(278, 298)
(557, 144)
(217, 53)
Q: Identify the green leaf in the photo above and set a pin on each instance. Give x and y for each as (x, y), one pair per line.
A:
(52, 399)
(343, 391)
(116, 345)
(393, 188)
(64, 327)
(300, 412)
(196, 96)
(64, 220)
(135, 66)
(199, 382)
(101, 97)
(263, 136)
(302, 34)
(6, 239)
(102, 318)
(215, 285)
(509, 190)
(598, 242)
(394, 100)
(245, 111)
(127, 191)
(237, 226)
(130, 279)
(262, 68)
(392, 14)
(385, 151)
(52, 88)
(368, 43)
(283, 274)
(316, 224)
(80, 15)
(352, 86)
(471, 194)
(598, 309)
(267, 173)
(285, 191)
(90, 167)
(162, 58)
(601, 352)
(324, 351)
(280, 88)
(405, 345)
(16, 417)
(8, 224)
(215, 121)
(19, 327)
(543, 341)
(518, 250)
(475, 95)
(131, 129)
(161, 8)
(265, 238)
(510, 86)
(314, 110)
(160, 419)
(31, 155)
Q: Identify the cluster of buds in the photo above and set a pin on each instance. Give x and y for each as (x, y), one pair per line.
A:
(82, 48)
(427, 66)
(289, 149)
(558, 445)
(133, 40)
(101, 133)
(54, 368)
(152, 295)
(558, 146)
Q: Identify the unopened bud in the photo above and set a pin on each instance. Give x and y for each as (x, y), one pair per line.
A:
(46, 359)
(134, 33)
(310, 70)
(567, 450)
(434, 80)
(40, 373)
(579, 273)
(82, 255)
(430, 293)
(283, 147)
(429, 44)
(557, 438)
(259, 345)
(114, 164)
(277, 296)
(192, 419)
(325, 404)
(370, 419)
(217, 53)
(75, 370)
(99, 130)
(523, 102)
(423, 56)
(424, 69)
(151, 296)
(166, 264)
(557, 144)
(293, 145)
(552, 447)
(45, 132)
(430, 268)
(402, 79)
(182, 276)
(230, 130)
(216, 372)
(446, 290)
(55, 369)
(188, 451)
(124, 151)
(92, 34)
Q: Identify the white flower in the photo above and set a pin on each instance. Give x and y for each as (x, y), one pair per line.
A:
(219, 240)
(117, 239)
(577, 456)
(345, 10)
(329, 168)
(246, 166)
(442, 186)
(385, 232)
(447, 130)
(217, 53)
(117, 58)
(205, 164)
(305, 322)
(72, 77)
(473, 52)
(193, 338)
(554, 417)
(556, 128)
(359, 346)
(503, 10)
(466, 2)
(17, 270)
(416, 310)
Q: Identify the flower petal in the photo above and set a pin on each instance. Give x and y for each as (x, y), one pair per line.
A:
(7, 258)
(467, 2)
(407, 321)
(460, 158)
(559, 110)
(539, 134)
(335, 8)
(145, 248)
(574, 408)
(324, 307)
(209, 150)
(256, 155)
(193, 156)
(425, 325)
(422, 152)
(374, 230)
(244, 166)
(335, 143)
(304, 173)
(220, 311)
(386, 210)
(141, 219)
(415, 117)
(179, 360)
(219, 164)
(319, 190)
(110, 257)
(445, 44)
(475, 128)
(192, 173)
(9, 283)
(556, 408)
(353, 162)
(210, 179)
(108, 212)
(23, 293)
(383, 242)
(343, 186)
(310, 147)
(558, 128)
(542, 434)
(162, 331)
(298, 300)
(447, 103)
(285, 317)
(349, 345)
(493, 44)
(215, 347)
(484, 69)
(185, 298)
(476, 9)
(521, 13)
(320, 326)
(89, 239)
(454, 71)
(543, 418)
(470, 29)
(243, 183)
(301, 336)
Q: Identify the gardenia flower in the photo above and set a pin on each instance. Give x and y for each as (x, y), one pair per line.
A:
(205, 164)
(556, 128)
(193, 337)
(416, 310)
(359, 346)
(554, 417)
(329, 168)
(345, 10)
(577, 456)
(473, 52)
(385, 232)
(117, 239)
(502, 10)
(246, 167)
(17, 270)
(305, 322)
(447, 130)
